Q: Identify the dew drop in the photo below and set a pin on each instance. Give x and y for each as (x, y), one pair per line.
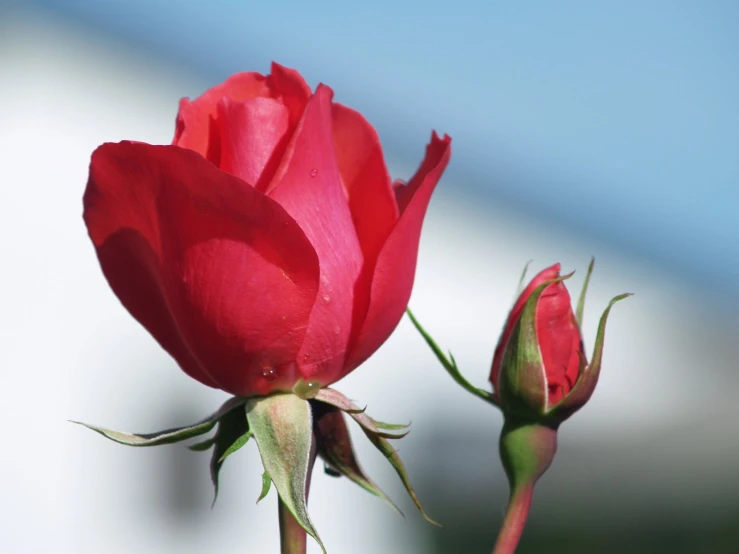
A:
(269, 374)
(307, 389)
(306, 357)
(313, 172)
(326, 298)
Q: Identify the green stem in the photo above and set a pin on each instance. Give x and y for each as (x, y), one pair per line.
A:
(292, 536)
(515, 520)
(526, 450)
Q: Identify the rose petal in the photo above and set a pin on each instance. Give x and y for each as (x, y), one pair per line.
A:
(545, 275)
(197, 125)
(396, 265)
(308, 186)
(404, 192)
(371, 197)
(559, 339)
(292, 89)
(253, 137)
(365, 178)
(219, 274)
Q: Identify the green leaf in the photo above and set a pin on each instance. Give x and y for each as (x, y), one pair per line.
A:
(449, 364)
(338, 400)
(335, 447)
(581, 300)
(283, 428)
(232, 427)
(167, 436)
(266, 485)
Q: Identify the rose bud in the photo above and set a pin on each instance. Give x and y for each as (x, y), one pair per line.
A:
(267, 251)
(540, 377)
(539, 369)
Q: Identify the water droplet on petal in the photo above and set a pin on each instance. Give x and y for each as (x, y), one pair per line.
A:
(306, 357)
(269, 374)
(307, 389)
(313, 172)
(326, 298)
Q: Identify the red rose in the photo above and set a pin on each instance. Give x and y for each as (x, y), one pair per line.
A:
(267, 244)
(557, 336)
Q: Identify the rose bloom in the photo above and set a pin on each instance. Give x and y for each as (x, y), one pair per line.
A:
(267, 244)
(557, 334)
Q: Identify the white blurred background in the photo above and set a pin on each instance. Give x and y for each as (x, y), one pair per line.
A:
(565, 146)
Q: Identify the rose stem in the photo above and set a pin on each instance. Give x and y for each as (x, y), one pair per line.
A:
(292, 536)
(515, 519)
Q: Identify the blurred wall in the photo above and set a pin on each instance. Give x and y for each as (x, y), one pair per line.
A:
(648, 466)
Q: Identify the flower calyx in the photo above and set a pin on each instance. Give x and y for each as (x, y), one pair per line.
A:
(290, 430)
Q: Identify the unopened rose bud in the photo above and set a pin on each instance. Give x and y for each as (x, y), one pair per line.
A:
(540, 371)
(540, 377)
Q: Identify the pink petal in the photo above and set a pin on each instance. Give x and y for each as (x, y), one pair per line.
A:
(197, 120)
(308, 186)
(254, 134)
(365, 178)
(219, 274)
(371, 197)
(559, 340)
(396, 265)
(292, 90)
(404, 192)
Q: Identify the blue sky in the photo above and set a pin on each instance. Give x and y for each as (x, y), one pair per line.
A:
(619, 119)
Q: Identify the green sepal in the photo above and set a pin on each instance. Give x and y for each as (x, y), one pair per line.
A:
(334, 399)
(338, 400)
(356, 410)
(283, 428)
(237, 444)
(585, 384)
(391, 426)
(266, 485)
(519, 288)
(522, 381)
(335, 447)
(203, 446)
(232, 427)
(167, 436)
(392, 455)
(583, 292)
(450, 363)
